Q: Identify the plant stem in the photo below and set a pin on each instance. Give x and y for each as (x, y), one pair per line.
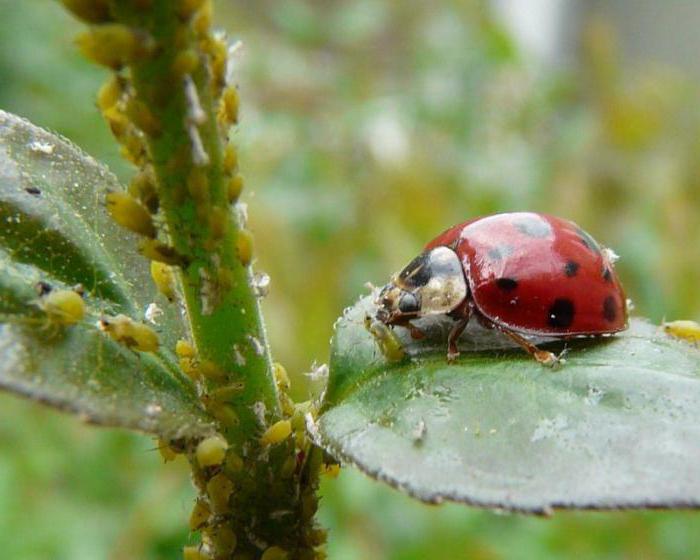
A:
(187, 159)
(171, 113)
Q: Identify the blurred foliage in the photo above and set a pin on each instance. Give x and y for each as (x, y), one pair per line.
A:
(368, 127)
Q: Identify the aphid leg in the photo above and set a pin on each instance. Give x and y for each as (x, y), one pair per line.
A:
(544, 357)
(461, 316)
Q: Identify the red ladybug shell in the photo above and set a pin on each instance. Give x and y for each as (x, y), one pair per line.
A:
(538, 274)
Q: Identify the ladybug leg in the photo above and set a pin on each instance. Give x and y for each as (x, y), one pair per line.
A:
(544, 357)
(416, 333)
(461, 316)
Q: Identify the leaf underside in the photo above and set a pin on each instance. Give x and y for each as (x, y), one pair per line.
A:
(617, 426)
(54, 228)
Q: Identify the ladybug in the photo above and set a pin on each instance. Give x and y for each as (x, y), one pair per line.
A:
(520, 273)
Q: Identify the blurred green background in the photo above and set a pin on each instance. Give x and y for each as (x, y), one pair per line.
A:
(369, 126)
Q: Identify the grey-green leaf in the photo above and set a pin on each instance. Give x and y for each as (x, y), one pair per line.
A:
(617, 426)
(54, 229)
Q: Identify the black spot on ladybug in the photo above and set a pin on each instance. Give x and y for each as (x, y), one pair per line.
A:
(571, 268)
(607, 274)
(609, 309)
(588, 241)
(33, 190)
(534, 227)
(507, 284)
(561, 313)
(500, 252)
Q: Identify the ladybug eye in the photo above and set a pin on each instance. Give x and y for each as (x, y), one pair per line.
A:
(408, 303)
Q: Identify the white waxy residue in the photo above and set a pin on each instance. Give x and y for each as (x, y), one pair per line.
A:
(195, 113)
(238, 356)
(256, 345)
(261, 284)
(152, 313)
(235, 54)
(259, 411)
(549, 427)
(611, 255)
(199, 155)
(39, 147)
(318, 371)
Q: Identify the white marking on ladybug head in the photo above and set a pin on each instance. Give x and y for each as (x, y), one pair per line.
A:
(433, 283)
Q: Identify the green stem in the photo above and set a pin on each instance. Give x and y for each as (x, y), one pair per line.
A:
(258, 489)
(187, 158)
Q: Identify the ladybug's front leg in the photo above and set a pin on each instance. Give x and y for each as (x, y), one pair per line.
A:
(461, 316)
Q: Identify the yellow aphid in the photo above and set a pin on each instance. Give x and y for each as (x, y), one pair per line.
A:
(200, 515)
(228, 108)
(183, 349)
(187, 8)
(91, 11)
(277, 433)
(117, 121)
(133, 146)
(287, 404)
(230, 159)
(281, 376)
(234, 187)
(211, 451)
(114, 44)
(202, 19)
(224, 394)
(219, 489)
(684, 329)
(167, 452)
(143, 117)
(224, 414)
(244, 246)
(234, 463)
(217, 50)
(110, 92)
(164, 279)
(130, 213)
(185, 62)
(63, 307)
(190, 367)
(143, 187)
(158, 251)
(218, 222)
(130, 333)
(198, 185)
(211, 371)
(194, 553)
(331, 471)
(274, 553)
(224, 278)
(224, 541)
(389, 344)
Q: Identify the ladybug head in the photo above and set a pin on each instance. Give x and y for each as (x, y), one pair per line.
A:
(433, 283)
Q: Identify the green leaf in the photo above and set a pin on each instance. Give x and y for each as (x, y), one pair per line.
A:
(54, 229)
(617, 426)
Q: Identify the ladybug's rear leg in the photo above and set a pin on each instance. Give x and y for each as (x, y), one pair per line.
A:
(544, 357)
